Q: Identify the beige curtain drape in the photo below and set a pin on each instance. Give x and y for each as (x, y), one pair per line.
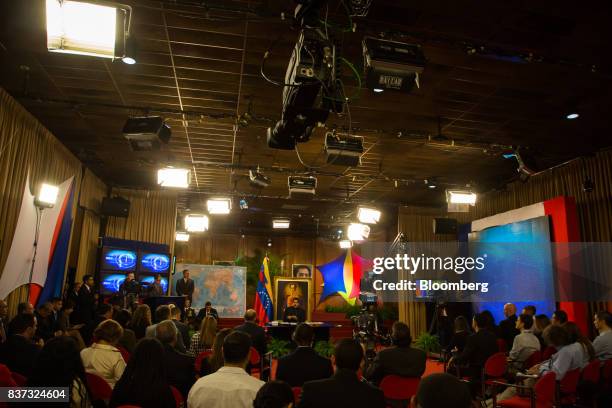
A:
(594, 210)
(152, 217)
(26, 147)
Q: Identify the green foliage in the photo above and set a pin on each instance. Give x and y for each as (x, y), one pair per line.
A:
(347, 309)
(429, 343)
(278, 347)
(253, 265)
(324, 348)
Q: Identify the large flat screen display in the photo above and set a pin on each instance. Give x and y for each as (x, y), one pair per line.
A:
(154, 262)
(117, 259)
(146, 280)
(110, 282)
(528, 244)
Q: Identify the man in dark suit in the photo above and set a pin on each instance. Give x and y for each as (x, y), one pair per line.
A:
(294, 313)
(185, 286)
(19, 352)
(44, 321)
(343, 389)
(207, 310)
(401, 359)
(85, 310)
(257, 333)
(478, 348)
(507, 327)
(304, 364)
(179, 366)
(183, 329)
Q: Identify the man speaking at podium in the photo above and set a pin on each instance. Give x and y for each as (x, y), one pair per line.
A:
(294, 313)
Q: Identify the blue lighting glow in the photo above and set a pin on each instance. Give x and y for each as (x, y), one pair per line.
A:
(150, 279)
(155, 262)
(111, 283)
(119, 259)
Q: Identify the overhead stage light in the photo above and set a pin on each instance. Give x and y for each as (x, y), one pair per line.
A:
(47, 195)
(281, 224)
(182, 236)
(86, 28)
(358, 232)
(219, 205)
(345, 244)
(196, 223)
(171, 177)
(572, 115)
(378, 90)
(461, 197)
(368, 215)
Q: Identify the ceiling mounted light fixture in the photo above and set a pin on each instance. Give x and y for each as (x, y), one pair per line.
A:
(182, 236)
(171, 177)
(219, 205)
(345, 244)
(461, 197)
(281, 224)
(196, 223)
(368, 215)
(572, 116)
(358, 232)
(47, 196)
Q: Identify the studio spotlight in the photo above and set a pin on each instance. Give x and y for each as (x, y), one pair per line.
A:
(281, 224)
(182, 236)
(130, 51)
(219, 205)
(572, 116)
(368, 215)
(171, 177)
(358, 232)
(269, 244)
(460, 197)
(196, 223)
(345, 244)
(47, 196)
(378, 90)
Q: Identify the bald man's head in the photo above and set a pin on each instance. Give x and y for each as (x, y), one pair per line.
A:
(250, 315)
(509, 309)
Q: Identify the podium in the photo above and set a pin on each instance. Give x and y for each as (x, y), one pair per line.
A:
(155, 301)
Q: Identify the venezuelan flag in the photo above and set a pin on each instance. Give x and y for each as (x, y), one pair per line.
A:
(263, 295)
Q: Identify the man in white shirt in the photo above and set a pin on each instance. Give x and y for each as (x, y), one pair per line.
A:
(525, 343)
(603, 343)
(230, 386)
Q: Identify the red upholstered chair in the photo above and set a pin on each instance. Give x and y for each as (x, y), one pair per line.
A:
(200, 358)
(542, 395)
(255, 362)
(399, 388)
(568, 387)
(591, 373)
(502, 347)
(178, 397)
(124, 353)
(494, 370)
(20, 379)
(297, 393)
(607, 374)
(533, 359)
(100, 389)
(7, 378)
(548, 352)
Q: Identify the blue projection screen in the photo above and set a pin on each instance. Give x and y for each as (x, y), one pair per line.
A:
(537, 263)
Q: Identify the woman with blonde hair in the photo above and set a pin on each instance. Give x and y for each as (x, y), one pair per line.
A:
(204, 339)
(141, 319)
(103, 357)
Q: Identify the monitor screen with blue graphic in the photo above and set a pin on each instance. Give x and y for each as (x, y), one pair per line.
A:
(110, 282)
(117, 259)
(146, 280)
(154, 262)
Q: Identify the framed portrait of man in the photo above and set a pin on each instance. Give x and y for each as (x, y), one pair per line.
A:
(292, 299)
(301, 270)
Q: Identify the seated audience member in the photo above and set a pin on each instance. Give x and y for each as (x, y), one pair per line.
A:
(343, 389)
(128, 340)
(530, 310)
(203, 340)
(104, 312)
(63, 321)
(401, 359)
(183, 329)
(230, 386)
(576, 336)
(73, 292)
(163, 313)
(141, 319)
(25, 307)
(507, 327)
(59, 365)
(257, 333)
(214, 361)
(274, 394)
(525, 343)
(207, 310)
(460, 335)
(540, 324)
(189, 314)
(569, 356)
(3, 320)
(19, 352)
(179, 366)
(442, 390)
(102, 357)
(144, 382)
(45, 329)
(559, 317)
(490, 322)
(603, 342)
(303, 364)
(478, 347)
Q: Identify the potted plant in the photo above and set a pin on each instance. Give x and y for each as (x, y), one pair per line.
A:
(429, 343)
(277, 349)
(324, 348)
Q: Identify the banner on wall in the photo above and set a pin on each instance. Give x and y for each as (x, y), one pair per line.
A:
(223, 286)
(53, 237)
